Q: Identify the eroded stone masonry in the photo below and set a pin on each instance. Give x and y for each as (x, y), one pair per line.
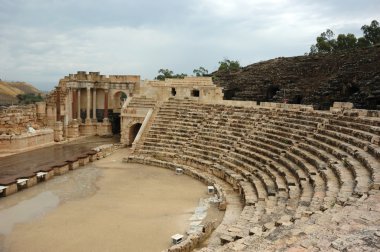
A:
(308, 180)
(319, 80)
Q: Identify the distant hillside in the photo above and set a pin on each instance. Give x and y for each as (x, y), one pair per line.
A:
(9, 91)
(349, 76)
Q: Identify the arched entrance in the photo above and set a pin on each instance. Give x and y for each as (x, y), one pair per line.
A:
(133, 131)
(118, 100)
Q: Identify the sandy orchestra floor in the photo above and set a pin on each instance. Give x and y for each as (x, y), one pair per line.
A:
(106, 206)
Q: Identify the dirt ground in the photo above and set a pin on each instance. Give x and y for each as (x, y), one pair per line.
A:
(106, 206)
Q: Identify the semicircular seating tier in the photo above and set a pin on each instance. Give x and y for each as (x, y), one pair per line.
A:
(286, 164)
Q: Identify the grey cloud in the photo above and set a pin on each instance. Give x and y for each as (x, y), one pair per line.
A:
(41, 40)
(88, 13)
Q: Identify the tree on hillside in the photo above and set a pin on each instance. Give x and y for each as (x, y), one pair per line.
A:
(229, 65)
(166, 74)
(363, 42)
(179, 76)
(201, 71)
(29, 98)
(344, 42)
(326, 43)
(372, 32)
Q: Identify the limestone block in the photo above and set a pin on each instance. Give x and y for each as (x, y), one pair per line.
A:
(61, 168)
(11, 189)
(104, 129)
(58, 132)
(88, 129)
(224, 239)
(73, 163)
(31, 181)
(92, 156)
(83, 160)
(73, 129)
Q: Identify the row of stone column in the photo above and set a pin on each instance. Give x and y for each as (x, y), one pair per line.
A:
(76, 95)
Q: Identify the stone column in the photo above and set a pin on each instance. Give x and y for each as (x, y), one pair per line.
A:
(58, 104)
(94, 104)
(70, 105)
(74, 104)
(41, 110)
(88, 119)
(105, 115)
(78, 102)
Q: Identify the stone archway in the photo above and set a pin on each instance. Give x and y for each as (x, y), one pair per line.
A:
(118, 99)
(133, 131)
(129, 129)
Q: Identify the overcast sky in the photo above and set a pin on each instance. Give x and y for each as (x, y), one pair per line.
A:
(43, 40)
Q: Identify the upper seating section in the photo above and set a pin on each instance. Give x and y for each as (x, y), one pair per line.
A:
(142, 102)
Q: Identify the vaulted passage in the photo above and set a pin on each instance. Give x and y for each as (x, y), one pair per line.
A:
(351, 90)
(133, 131)
(271, 92)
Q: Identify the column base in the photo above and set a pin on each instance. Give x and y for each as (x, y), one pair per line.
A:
(104, 128)
(87, 129)
(73, 129)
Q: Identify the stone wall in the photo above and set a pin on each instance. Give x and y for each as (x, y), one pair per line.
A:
(15, 119)
(193, 240)
(194, 88)
(25, 141)
(349, 76)
(14, 123)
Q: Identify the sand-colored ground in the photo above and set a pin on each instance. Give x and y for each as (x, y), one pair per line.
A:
(114, 207)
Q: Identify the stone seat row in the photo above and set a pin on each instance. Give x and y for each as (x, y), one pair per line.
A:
(321, 158)
(282, 167)
(350, 125)
(335, 152)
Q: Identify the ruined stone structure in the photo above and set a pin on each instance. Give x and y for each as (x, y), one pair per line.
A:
(89, 104)
(320, 80)
(16, 124)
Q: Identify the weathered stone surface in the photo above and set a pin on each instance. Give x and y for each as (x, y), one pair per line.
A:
(320, 80)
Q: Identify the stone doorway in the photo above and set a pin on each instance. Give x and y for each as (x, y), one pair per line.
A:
(116, 123)
(133, 131)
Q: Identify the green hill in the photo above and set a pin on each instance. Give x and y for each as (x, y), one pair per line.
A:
(9, 91)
